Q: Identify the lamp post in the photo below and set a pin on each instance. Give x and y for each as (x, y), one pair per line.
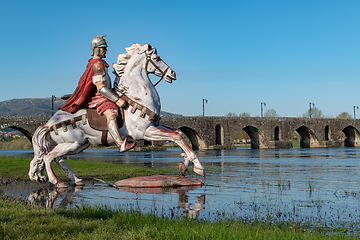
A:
(204, 101)
(310, 107)
(53, 98)
(354, 111)
(263, 104)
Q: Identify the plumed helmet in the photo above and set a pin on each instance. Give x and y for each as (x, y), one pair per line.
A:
(96, 43)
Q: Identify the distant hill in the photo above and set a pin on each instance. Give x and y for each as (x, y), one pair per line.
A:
(37, 107)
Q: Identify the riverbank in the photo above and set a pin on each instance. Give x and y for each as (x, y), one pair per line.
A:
(18, 219)
(22, 143)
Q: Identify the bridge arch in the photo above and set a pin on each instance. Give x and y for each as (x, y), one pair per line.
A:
(327, 133)
(308, 138)
(257, 137)
(23, 131)
(277, 133)
(196, 141)
(219, 135)
(352, 136)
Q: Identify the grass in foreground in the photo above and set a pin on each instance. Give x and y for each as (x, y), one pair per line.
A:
(18, 168)
(20, 220)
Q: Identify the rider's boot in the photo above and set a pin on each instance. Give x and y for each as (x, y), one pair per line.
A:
(123, 145)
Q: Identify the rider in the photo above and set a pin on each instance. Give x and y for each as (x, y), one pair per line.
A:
(94, 91)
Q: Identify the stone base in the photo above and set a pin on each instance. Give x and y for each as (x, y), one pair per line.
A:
(279, 144)
(158, 181)
(158, 190)
(219, 147)
(331, 143)
(149, 148)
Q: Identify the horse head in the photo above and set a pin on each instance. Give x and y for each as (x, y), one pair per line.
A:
(154, 64)
(145, 59)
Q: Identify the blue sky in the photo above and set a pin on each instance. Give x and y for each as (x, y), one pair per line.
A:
(235, 54)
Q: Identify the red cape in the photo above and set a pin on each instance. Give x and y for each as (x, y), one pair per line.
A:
(84, 88)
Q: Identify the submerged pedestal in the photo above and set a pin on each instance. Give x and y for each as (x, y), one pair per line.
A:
(156, 181)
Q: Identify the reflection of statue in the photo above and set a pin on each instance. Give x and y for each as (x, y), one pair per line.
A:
(72, 131)
(183, 198)
(53, 195)
(184, 204)
(46, 198)
(38, 197)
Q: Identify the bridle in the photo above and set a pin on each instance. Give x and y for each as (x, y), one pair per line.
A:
(148, 59)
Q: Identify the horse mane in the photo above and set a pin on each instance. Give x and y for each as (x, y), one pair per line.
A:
(123, 59)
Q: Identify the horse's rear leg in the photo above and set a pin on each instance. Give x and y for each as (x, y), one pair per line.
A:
(56, 155)
(162, 133)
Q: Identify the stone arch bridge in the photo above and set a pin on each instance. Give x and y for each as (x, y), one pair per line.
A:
(220, 132)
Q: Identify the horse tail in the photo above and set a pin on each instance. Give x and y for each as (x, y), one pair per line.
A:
(40, 141)
(41, 145)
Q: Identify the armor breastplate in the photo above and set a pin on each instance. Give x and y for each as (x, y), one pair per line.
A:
(101, 70)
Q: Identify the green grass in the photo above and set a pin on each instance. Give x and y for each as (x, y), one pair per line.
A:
(18, 168)
(20, 220)
(295, 143)
(243, 145)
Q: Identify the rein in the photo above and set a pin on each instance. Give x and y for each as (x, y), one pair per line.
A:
(148, 59)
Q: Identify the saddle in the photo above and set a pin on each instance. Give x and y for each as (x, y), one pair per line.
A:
(98, 122)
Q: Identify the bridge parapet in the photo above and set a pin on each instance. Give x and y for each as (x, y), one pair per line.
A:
(220, 132)
(24, 124)
(270, 132)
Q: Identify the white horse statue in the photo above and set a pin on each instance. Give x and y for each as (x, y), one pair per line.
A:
(72, 133)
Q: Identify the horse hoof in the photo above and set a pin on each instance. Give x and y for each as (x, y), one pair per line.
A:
(79, 183)
(60, 190)
(78, 188)
(61, 185)
(199, 171)
(182, 169)
(126, 146)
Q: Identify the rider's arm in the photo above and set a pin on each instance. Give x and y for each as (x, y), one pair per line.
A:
(106, 92)
(99, 81)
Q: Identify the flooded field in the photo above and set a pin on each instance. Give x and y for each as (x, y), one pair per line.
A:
(317, 185)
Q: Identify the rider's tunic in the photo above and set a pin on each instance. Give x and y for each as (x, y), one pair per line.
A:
(86, 94)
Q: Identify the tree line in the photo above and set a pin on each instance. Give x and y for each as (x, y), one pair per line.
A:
(313, 113)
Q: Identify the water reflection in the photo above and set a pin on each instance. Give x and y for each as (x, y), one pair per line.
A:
(64, 198)
(46, 198)
(186, 206)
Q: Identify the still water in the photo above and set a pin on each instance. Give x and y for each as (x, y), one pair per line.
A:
(316, 185)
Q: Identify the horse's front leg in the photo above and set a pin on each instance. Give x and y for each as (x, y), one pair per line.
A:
(70, 174)
(163, 133)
